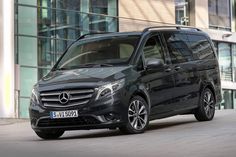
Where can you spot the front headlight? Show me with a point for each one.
(35, 96)
(110, 88)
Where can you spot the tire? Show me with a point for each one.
(206, 109)
(50, 135)
(137, 118)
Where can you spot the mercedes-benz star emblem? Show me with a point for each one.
(64, 97)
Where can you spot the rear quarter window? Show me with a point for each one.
(200, 47)
(177, 44)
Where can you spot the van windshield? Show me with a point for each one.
(99, 52)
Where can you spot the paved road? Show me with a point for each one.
(180, 136)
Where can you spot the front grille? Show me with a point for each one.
(85, 120)
(76, 97)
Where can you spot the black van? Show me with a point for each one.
(125, 80)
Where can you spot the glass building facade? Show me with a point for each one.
(227, 63)
(45, 28)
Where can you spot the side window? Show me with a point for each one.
(201, 47)
(177, 45)
(153, 49)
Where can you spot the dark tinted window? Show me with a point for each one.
(152, 48)
(200, 47)
(178, 47)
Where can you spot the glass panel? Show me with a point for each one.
(182, 12)
(234, 61)
(28, 77)
(28, 2)
(225, 61)
(27, 51)
(219, 14)
(226, 99)
(67, 24)
(212, 7)
(50, 50)
(24, 107)
(84, 19)
(43, 72)
(45, 52)
(59, 24)
(68, 4)
(47, 3)
(60, 4)
(46, 22)
(223, 12)
(27, 21)
(99, 7)
(102, 23)
(98, 22)
(112, 11)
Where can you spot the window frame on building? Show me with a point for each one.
(217, 20)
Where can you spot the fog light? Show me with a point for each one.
(110, 117)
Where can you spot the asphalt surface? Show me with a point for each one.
(180, 136)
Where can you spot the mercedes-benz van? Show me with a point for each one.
(124, 80)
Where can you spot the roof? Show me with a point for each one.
(148, 29)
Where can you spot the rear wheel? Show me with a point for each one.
(206, 109)
(137, 117)
(50, 134)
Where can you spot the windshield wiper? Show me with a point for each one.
(94, 65)
(89, 65)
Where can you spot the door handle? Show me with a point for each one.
(168, 69)
(177, 68)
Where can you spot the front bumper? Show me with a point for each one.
(110, 112)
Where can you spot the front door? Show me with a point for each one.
(158, 82)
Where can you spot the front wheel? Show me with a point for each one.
(206, 109)
(137, 116)
(50, 134)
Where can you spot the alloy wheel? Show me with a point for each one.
(137, 115)
(208, 103)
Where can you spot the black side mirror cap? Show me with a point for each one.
(154, 64)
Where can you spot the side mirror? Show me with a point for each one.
(154, 64)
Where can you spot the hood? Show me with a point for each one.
(84, 75)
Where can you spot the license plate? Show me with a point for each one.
(63, 114)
